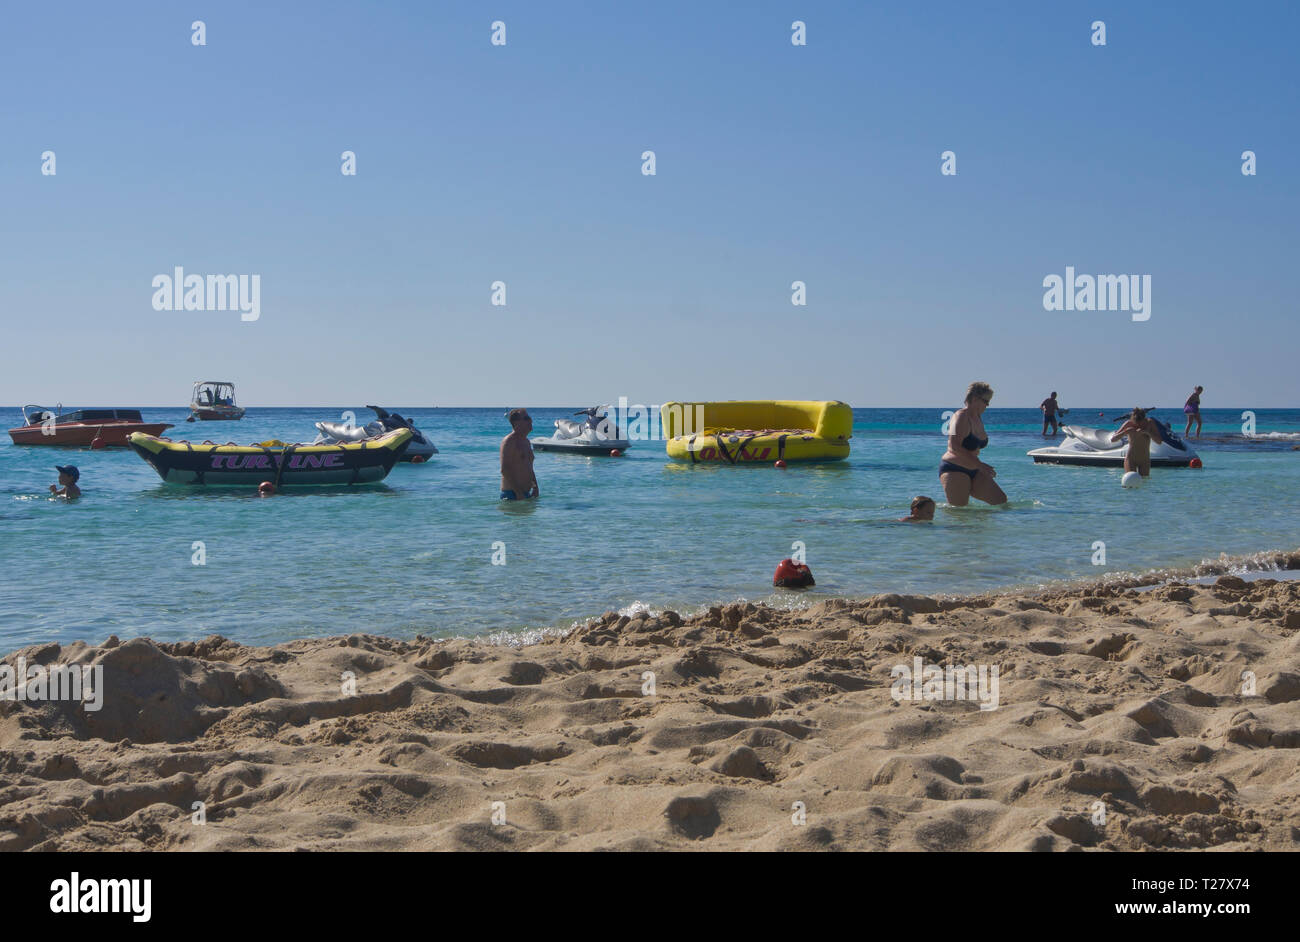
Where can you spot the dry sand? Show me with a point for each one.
(1107, 697)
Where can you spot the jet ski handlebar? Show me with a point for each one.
(1128, 415)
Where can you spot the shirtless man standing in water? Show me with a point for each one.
(1140, 431)
(517, 478)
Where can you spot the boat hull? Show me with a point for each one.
(216, 413)
(112, 434)
(580, 447)
(1105, 461)
(249, 465)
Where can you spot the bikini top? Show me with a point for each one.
(971, 443)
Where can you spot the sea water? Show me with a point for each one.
(416, 553)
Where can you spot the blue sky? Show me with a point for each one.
(775, 163)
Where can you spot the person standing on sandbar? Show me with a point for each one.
(1051, 410)
(1192, 409)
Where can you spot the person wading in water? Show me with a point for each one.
(517, 478)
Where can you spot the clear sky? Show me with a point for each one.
(522, 163)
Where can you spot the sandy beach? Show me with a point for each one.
(1122, 721)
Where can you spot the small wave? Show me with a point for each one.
(1273, 436)
(636, 608)
(1249, 565)
(526, 636)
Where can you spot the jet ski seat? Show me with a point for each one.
(1098, 438)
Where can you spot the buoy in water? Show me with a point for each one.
(792, 575)
(1194, 463)
(615, 453)
(97, 443)
(780, 462)
(418, 459)
(265, 489)
(1131, 479)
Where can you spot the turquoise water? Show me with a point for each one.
(414, 554)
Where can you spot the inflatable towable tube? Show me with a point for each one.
(763, 430)
(363, 462)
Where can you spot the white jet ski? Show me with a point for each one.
(333, 433)
(1092, 446)
(595, 436)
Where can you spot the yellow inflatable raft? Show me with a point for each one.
(757, 430)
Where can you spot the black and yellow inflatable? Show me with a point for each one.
(757, 430)
(362, 462)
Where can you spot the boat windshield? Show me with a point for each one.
(34, 415)
(214, 394)
(101, 415)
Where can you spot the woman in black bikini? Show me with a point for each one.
(961, 473)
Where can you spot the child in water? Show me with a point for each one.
(922, 511)
(68, 475)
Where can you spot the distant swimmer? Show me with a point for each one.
(68, 477)
(961, 472)
(1140, 431)
(1051, 409)
(517, 478)
(922, 510)
(1192, 409)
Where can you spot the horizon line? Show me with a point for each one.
(657, 404)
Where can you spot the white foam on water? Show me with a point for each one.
(1252, 575)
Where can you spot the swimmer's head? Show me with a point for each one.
(979, 391)
(923, 508)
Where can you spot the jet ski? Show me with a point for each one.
(1092, 446)
(596, 435)
(336, 433)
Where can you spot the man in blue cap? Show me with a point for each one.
(68, 475)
